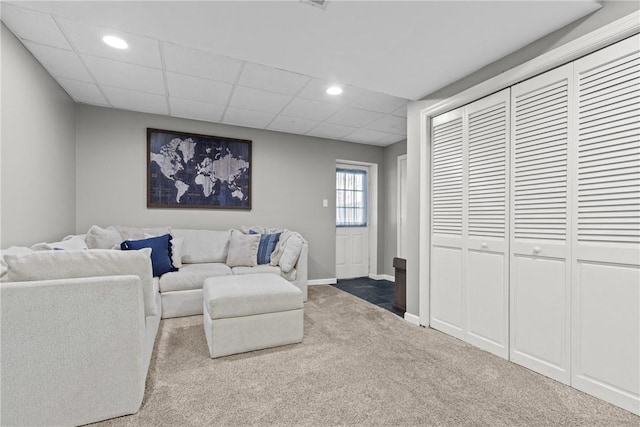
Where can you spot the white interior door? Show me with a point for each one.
(540, 206)
(352, 221)
(606, 232)
(448, 207)
(402, 207)
(487, 239)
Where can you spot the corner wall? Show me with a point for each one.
(291, 174)
(37, 151)
(390, 205)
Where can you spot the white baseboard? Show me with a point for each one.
(382, 277)
(329, 281)
(412, 318)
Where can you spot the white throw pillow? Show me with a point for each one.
(73, 243)
(51, 265)
(203, 245)
(13, 250)
(102, 238)
(243, 249)
(176, 251)
(291, 252)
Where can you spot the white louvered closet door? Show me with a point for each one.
(606, 231)
(447, 224)
(540, 247)
(487, 257)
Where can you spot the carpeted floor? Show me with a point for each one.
(358, 365)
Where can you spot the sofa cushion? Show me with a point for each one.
(102, 238)
(160, 255)
(136, 233)
(243, 249)
(288, 250)
(248, 295)
(192, 276)
(259, 269)
(203, 245)
(51, 265)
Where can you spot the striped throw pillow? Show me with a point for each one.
(268, 243)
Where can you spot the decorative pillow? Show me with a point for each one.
(51, 265)
(291, 252)
(160, 252)
(268, 243)
(243, 249)
(176, 250)
(102, 238)
(13, 250)
(72, 243)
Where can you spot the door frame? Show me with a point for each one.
(401, 158)
(372, 209)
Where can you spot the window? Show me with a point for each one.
(351, 198)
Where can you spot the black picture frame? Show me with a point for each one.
(193, 171)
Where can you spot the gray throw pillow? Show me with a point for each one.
(243, 249)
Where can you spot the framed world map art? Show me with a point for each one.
(186, 170)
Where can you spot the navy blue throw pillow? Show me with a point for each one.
(161, 249)
(268, 243)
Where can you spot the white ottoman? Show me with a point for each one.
(250, 312)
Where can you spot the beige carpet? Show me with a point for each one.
(358, 365)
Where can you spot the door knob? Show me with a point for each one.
(484, 245)
(536, 250)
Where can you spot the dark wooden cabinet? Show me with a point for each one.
(400, 288)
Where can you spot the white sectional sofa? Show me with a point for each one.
(79, 326)
(204, 255)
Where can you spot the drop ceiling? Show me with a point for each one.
(267, 64)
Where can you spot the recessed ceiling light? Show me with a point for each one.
(334, 90)
(116, 42)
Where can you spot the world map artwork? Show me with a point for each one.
(197, 171)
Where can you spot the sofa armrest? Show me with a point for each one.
(71, 350)
(302, 270)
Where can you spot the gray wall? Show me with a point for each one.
(611, 11)
(37, 151)
(291, 174)
(390, 205)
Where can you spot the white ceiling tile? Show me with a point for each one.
(200, 63)
(400, 112)
(379, 102)
(353, 117)
(310, 110)
(365, 136)
(136, 101)
(87, 39)
(317, 90)
(248, 118)
(60, 63)
(261, 77)
(87, 93)
(258, 100)
(125, 76)
(390, 124)
(292, 125)
(197, 89)
(390, 139)
(326, 130)
(196, 110)
(33, 26)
